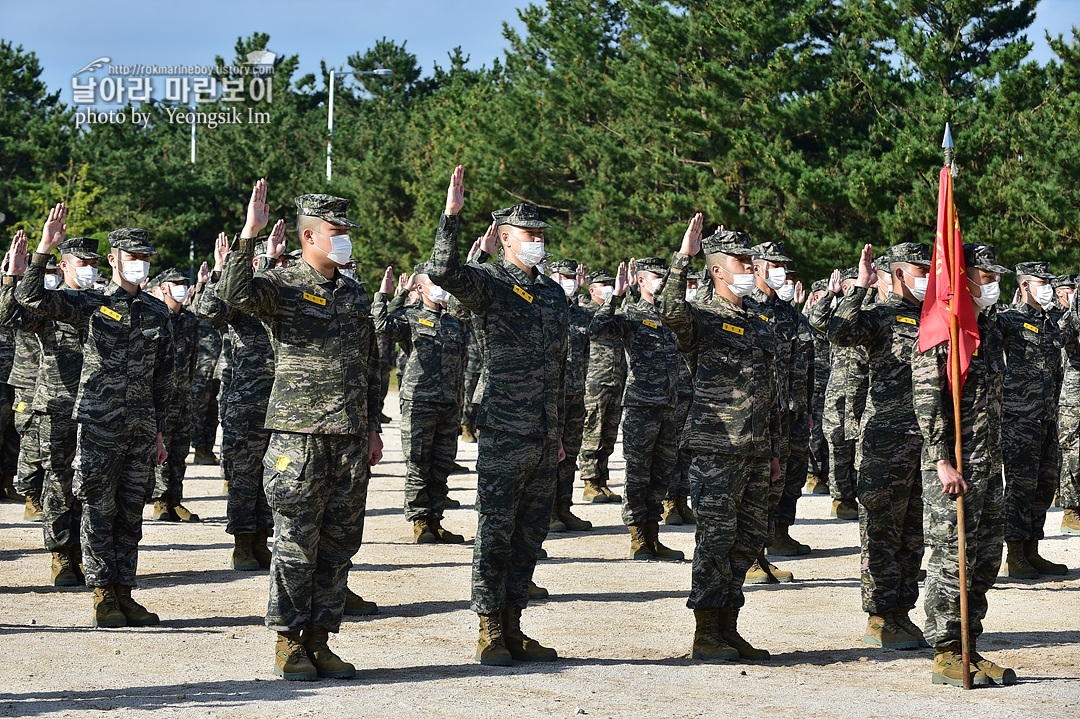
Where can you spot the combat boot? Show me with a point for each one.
(1017, 565)
(521, 647)
(594, 493)
(1070, 522)
(32, 507)
(948, 668)
(844, 509)
(456, 468)
(77, 563)
(882, 631)
(491, 646)
(996, 674)
(611, 496)
(670, 515)
(205, 455)
(444, 535)
(569, 519)
(291, 661)
(757, 574)
(782, 576)
(640, 548)
(183, 514)
(708, 645)
(63, 574)
(659, 551)
(357, 606)
(1041, 565)
(541, 553)
(729, 632)
(556, 525)
(451, 503)
(422, 532)
(900, 616)
(687, 514)
(784, 546)
(816, 485)
(326, 663)
(243, 558)
(225, 487)
(137, 615)
(262, 553)
(162, 513)
(537, 592)
(468, 433)
(107, 612)
(7, 488)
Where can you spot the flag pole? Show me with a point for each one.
(954, 360)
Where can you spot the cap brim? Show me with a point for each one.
(736, 251)
(526, 224)
(83, 254)
(994, 268)
(773, 258)
(601, 278)
(136, 250)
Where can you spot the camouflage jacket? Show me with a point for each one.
(522, 327)
(1033, 358)
(802, 374)
(210, 339)
(326, 359)
(251, 355)
(24, 369)
(184, 328)
(61, 353)
(889, 333)
(435, 371)
(607, 360)
(732, 350)
(127, 368)
(822, 366)
(784, 322)
(7, 353)
(577, 358)
(652, 351)
(980, 402)
(1069, 327)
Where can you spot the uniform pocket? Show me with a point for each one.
(283, 466)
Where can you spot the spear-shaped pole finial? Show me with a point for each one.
(947, 148)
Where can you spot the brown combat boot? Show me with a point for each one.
(243, 558)
(708, 645)
(107, 612)
(7, 488)
(357, 606)
(594, 493)
(326, 663)
(996, 674)
(468, 433)
(948, 668)
(422, 532)
(491, 646)
(729, 632)
(536, 592)
(444, 535)
(1070, 522)
(521, 647)
(63, 573)
(291, 662)
(816, 484)
(182, 513)
(652, 532)
(882, 631)
(451, 503)
(640, 548)
(670, 515)
(555, 525)
(1041, 565)
(611, 496)
(1017, 565)
(32, 507)
(784, 546)
(137, 615)
(844, 509)
(205, 455)
(687, 514)
(569, 519)
(262, 553)
(900, 616)
(162, 513)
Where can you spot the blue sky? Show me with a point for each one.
(67, 34)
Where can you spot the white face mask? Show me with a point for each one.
(741, 285)
(85, 276)
(606, 292)
(530, 253)
(52, 282)
(1044, 295)
(786, 293)
(990, 293)
(777, 278)
(654, 285)
(691, 294)
(178, 293)
(135, 271)
(340, 248)
(569, 287)
(919, 288)
(835, 302)
(438, 294)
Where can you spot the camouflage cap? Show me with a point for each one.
(325, 207)
(983, 257)
(882, 263)
(819, 286)
(131, 239)
(296, 254)
(51, 263)
(849, 274)
(170, 275)
(85, 248)
(525, 215)
(420, 268)
(599, 275)
(1064, 281)
(563, 267)
(914, 253)
(730, 242)
(260, 247)
(698, 275)
(651, 264)
(770, 252)
(1035, 269)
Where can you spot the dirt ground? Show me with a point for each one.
(621, 627)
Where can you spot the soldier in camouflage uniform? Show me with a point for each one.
(1064, 289)
(980, 430)
(1029, 430)
(30, 471)
(888, 479)
(676, 509)
(9, 437)
(650, 437)
(1069, 417)
(430, 391)
(121, 408)
(604, 384)
(521, 320)
(733, 433)
(204, 393)
(818, 480)
(323, 412)
(472, 377)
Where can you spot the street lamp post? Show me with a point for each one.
(381, 72)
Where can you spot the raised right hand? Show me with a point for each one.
(52, 234)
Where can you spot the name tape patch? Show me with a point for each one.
(20, 407)
(282, 463)
(650, 323)
(1031, 327)
(426, 323)
(762, 317)
(523, 294)
(315, 298)
(110, 313)
(733, 328)
(906, 320)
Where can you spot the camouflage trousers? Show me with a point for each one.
(429, 433)
(889, 489)
(9, 436)
(1069, 446)
(729, 494)
(317, 485)
(1032, 458)
(650, 446)
(680, 483)
(61, 512)
(386, 363)
(169, 477)
(112, 469)
(798, 463)
(204, 410)
(243, 446)
(30, 472)
(819, 448)
(776, 489)
(603, 411)
(573, 429)
(516, 478)
(842, 470)
(983, 512)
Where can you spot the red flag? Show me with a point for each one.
(948, 299)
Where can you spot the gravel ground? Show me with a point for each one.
(621, 627)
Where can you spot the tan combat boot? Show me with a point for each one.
(422, 532)
(571, 521)
(291, 661)
(708, 645)
(262, 553)
(670, 515)
(327, 664)
(882, 631)
(32, 507)
(729, 632)
(900, 616)
(555, 525)
(594, 493)
(521, 647)
(996, 674)
(756, 574)
(816, 484)
(784, 546)
(137, 615)
(162, 513)
(1017, 565)
(652, 532)
(63, 573)
(357, 606)
(845, 509)
(107, 612)
(243, 558)
(468, 433)
(537, 592)
(444, 535)
(948, 668)
(491, 646)
(687, 514)
(182, 513)
(205, 455)
(7, 488)
(611, 496)
(1041, 565)
(640, 548)
(1070, 522)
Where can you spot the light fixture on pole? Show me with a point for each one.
(380, 72)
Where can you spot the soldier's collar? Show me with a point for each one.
(521, 277)
(1029, 310)
(308, 272)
